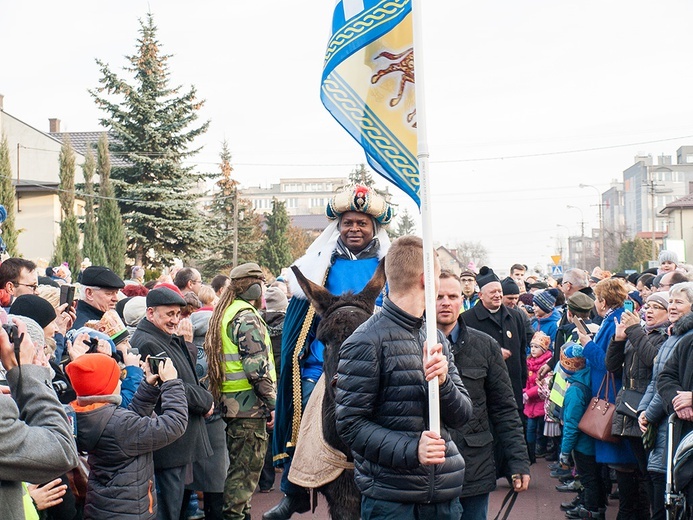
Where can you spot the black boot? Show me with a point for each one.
(531, 451)
(288, 505)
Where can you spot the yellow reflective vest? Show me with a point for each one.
(235, 379)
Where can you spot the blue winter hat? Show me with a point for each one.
(635, 296)
(572, 358)
(545, 300)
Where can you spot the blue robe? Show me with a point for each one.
(344, 275)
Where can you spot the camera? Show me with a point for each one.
(155, 360)
(93, 345)
(529, 309)
(11, 330)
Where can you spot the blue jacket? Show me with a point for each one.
(595, 353)
(575, 403)
(548, 325)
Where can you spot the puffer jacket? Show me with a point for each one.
(634, 358)
(534, 406)
(677, 376)
(485, 376)
(382, 409)
(655, 410)
(120, 444)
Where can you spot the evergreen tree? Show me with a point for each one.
(92, 248)
(276, 252)
(220, 223)
(8, 199)
(405, 226)
(109, 222)
(68, 242)
(152, 136)
(634, 254)
(360, 175)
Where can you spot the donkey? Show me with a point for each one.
(340, 316)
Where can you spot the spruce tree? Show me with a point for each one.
(92, 248)
(220, 223)
(405, 225)
(276, 252)
(151, 125)
(8, 199)
(109, 221)
(68, 242)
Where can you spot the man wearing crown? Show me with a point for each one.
(343, 258)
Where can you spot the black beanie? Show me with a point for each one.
(34, 307)
(485, 276)
(510, 286)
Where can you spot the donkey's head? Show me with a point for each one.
(325, 303)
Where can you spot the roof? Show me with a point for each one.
(681, 203)
(310, 222)
(25, 186)
(80, 141)
(658, 235)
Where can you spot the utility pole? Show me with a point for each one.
(651, 185)
(582, 237)
(235, 224)
(601, 224)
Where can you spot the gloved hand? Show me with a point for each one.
(649, 437)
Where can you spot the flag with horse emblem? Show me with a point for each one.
(368, 85)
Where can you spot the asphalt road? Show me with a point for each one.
(540, 501)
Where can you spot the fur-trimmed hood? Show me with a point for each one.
(685, 324)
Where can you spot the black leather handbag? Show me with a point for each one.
(630, 400)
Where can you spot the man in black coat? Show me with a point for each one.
(156, 335)
(99, 294)
(480, 364)
(504, 325)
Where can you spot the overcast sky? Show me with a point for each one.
(601, 80)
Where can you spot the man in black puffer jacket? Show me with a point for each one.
(485, 376)
(402, 469)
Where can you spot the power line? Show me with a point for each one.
(441, 161)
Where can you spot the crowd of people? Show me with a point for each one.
(178, 399)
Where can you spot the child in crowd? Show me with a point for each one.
(120, 441)
(534, 403)
(577, 398)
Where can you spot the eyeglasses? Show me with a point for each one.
(34, 287)
(654, 307)
(665, 285)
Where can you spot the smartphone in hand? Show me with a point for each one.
(628, 305)
(67, 295)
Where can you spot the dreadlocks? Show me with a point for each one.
(213, 347)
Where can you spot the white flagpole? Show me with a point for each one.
(426, 217)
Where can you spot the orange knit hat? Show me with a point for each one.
(93, 374)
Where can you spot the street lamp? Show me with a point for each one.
(601, 224)
(582, 235)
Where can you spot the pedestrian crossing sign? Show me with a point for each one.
(557, 270)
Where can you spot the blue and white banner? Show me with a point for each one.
(368, 85)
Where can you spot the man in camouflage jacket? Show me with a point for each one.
(248, 389)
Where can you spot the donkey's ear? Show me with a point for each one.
(320, 297)
(375, 285)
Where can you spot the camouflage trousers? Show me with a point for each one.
(246, 441)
